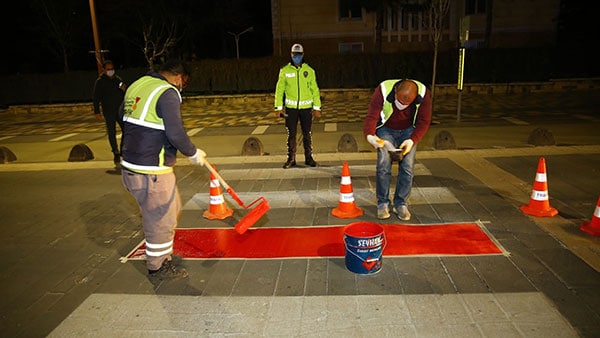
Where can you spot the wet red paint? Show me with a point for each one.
(328, 241)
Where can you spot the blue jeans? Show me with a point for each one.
(384, 168)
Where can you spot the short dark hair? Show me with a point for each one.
(106, 62)
(176, 67)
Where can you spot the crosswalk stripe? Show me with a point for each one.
(318, 172)
(60, 138)
(585, 117)
(515, 121)
(259, 130)
(194, 131)
(317, 198)
(323, 198)
(330, 127)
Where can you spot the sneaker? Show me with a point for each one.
(383, 212)
(289, 164)
(403, 213)
(168, 270)
(310, 162)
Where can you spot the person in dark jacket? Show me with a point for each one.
(109, 90)
(152, 136)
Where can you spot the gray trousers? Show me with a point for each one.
(160, 204)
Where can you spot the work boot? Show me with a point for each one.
(383, 212)
(289, 163)
(168, 270)
(310, 162)
(403, 213)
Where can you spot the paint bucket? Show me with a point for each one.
(364, 242)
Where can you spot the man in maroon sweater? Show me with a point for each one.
(399, 116)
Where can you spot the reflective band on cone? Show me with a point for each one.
(217, 208)
(539, 204)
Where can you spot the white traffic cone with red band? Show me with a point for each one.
(346, 207)
(539, 205)
(217, 208)
(593, 227)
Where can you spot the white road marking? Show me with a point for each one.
(63, 137)
(194, 131)
(330, 127)
(259, 130)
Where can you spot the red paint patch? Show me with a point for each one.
(328, 241)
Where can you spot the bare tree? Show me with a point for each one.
(58, 21)
(158, 40)
(437, 15)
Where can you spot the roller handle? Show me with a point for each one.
(230, 191)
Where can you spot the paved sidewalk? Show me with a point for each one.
(69, 225)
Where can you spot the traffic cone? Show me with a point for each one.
(346, 207)
(217, 208)
(593, 227)
(538, 203)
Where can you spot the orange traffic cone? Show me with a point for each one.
(217, 208)
(538, 203)
(346, 207)
(593, 227)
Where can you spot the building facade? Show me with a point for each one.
(347, 26)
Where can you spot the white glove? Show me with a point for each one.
(375, 141)
(198, 157)
(407, 146)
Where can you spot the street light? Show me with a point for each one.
(237, 39)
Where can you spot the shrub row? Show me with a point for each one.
(232, 76)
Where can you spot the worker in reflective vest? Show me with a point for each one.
(399, 115)
(153, 133)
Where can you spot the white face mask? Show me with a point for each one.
(400, 105)
(110, 73)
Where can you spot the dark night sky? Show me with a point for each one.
(29, 30)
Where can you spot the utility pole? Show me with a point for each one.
(97, 51)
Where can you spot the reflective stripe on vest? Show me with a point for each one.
(387, 108)
(137, 94)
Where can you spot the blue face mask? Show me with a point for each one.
(297, 59)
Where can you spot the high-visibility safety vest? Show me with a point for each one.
(387, 87)
(140, 109)
(299, 85)
(140, 102)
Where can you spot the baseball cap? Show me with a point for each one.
(297, 48)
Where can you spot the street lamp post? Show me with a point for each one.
(237, 39)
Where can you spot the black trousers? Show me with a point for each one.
(111, 120)
(291, 125)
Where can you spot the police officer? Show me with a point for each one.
(298, 92)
